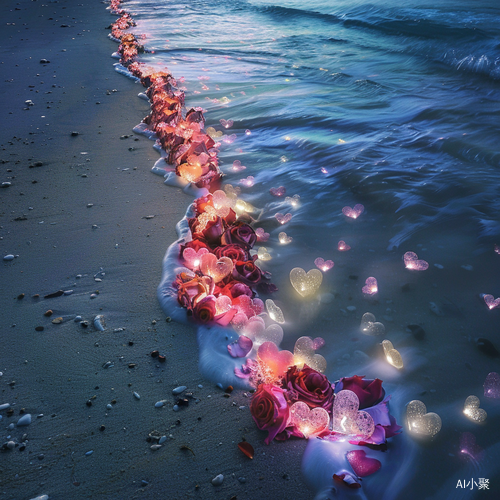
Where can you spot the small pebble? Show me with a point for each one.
(351, 309)
(109, 406)
(175, 408)
(155, 447)
(159, 404)
(10, 445)
(57, 321)
(4, 406)
(217, 480)
(49, 312)
(88, 453)
(77, 319)
(136, 395)
(41, 497)
(68, 292)
(9, 257)
(242, 480)
(162, 439)
(144, 483)
(24, 420)
(179, 389)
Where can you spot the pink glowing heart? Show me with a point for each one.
(468, 447)
(307, 421)
(343, 246)
(497, 249)
(218, 269)
(237, 166)
(492, 385)
(250, 307)
(324, 265)
(411, 262)
(275, 360)
(273, 333)
(491, 302)
(222, 304)
(241, 347)
(371, 286)
(318, 343)
(229, 139)
(248, 132)
(353, 212)
(361, 464)
(324, 170)
(192, 258)
(261, 234)
(226, 123)
(279, 191)
(248, 182)
(254, 327)
(283, 219)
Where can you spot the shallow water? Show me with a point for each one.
(394, 108)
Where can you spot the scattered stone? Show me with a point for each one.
(41, 497)
(155, 354)
(99, 323)
(4, 406)
(48, 313)
(176, 408)
(179, 390)
(136, 395)
(58, 321)
(217, 480)
(9, 257)
(168, 319)
(242, 480)
(44, 61)
(39, 328)
(74, 133)
(102, 427)
(108, 364)
(162, 439)
(155, 447)
(24, 420)
(10, 445)
(88, 453)
(159, 404)
(20, 296)
(162, 358)
(54, 295)
(68, 292)
(89, 403)
(84, 324)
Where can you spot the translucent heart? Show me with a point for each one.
(228, 139)
(361, 464)
(275, 361)
(218, 269)
(275, 313)
(237, 166)
(279, 191)
(192, 258)
(304, 354)
(306, 284)
(369, 325)
(273, 333)
(293, 200)
(345, 412)
(284, 239)
(283, 219)
(492, 385)
(243, 206)
(469, 448)
(371, 286)
(214, 134)
(221, 200)
(231, 191)
(472, 410)
(261, 234)
(223, 304)
(411, 262)
(343, 246)
(420, 422)
(226, 123)
(365, 424)
(324, 265)
(307, 421)
(263, 254)
(248, 182)
(392, 355)
(490, 301)
(353, 212)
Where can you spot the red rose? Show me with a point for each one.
(234, 289)
(204, 311)
(195, 244)
(309, 386)
(369, 392)
(234, 252)
(190, 290)
(241, 234)
(246, 272)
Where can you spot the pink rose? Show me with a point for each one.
(369, 392)
(204, 310)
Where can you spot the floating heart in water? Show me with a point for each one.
(371, 286)
(248, 132)
(307, 421)
(497, 249)
(491, 302)
(279, 191)
(221, 200)
(369, 325)
(346, 418)
(343, 246)
(283, 219)
(248, 182)
(218, 269)
(392, 355)
(250, 307)
(324, 265)
(411, 262)
(275, 360)
(353, 212)
(226, 123)
(237, 166)
(308, 283)
(284, 239)
(472, 410)
(228, 139)
(273, 333)
(241, 347)
(469, 448)
(261, 234)
(214, 134)
(303, 354)
(361, 464)
(192, 258)
(223, 304)
(293, 200)
(263, 254)
(232, 191)
(190, 172)
(275, 313)
(420, 422)
(492, 385)
(318, 343)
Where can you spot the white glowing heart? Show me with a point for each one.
(263, 254)
(284, 239)
(304, 354)
(308, 283)
(392, 355)
(275, 313)
(369, 325)
(420, 422)
(218, 269)
(309, 421)
(346, 418)
(472, 410)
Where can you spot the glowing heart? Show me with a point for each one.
(343, 246)
(324, 265)
(346, 418)
(284, 239)
(283, 219)
(229, 139)
(306, 284)
(369, 325)
(237, 166)
(214, 134)
(218, 269)
(491, 302)
(411, 262)
(420, 422)
(232, 191)
(276, 361)
(303, 354)
(392, 355)
(279, 191)
(192, 258)
(226, 123)
(371, 286)
(472, 410)
(250, 307)
(248, 132)
(221, 200)
(293, 200)
(190, 172)
(492, 385)
(318, 343)
(261, 234)
(241, 347)
(223, 304)
(273, 333)
(353, 212)
(275, 313)
(248, 182)
(469, 448)
(307, 421)
(263, 254)
(361, 464)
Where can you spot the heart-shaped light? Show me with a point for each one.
(190, 172)
(293, 200)
(214, 134)
(275, 313)
(318, 343)
(192, 258)
(241, 347)
(392, 355)
(469, 448)
(284, 239)
(370, 326)
(472, 410)
(223, 304)
(412, 262)
(353, 212)
(371, 286)
(303, 354)
(361, 464)
(492, 385)
(307, 421)
(232, 191)
(273, 333)
(263, 254)
(279, 191)
(346, 418)
(237, 166)
(261, 234)
(283, 219)
(420, 422)
(243, 206)
(248, 182)
(221, 200)
(490, 301)
(343, 246)
(308, 283)
(229, 139)
(496, 248)
(218, 269)
(324, 265)
(275, 361)
(250, 307)
(226, 123)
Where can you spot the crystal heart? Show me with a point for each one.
(229, 139)
(232, 191)
(214, 134)
(371, 286)
(293, 200)
(261, 234)
(303, 354)
(275, 313)
(284, 239)
(223, 304)
(241, 347)
(279, 191)
(273, 333)
(369, 325)
(192, 258)
(492, 385)
(263, 254)
(469, 448)
(221, 200)
(307, 421)
(411, 262)
(353, 212)
(248, 182)
(318, 343)
(237, 166)
(472, 410)
(420, 422)
(283, 219)
(490, 301)
(308, 283)
(226, 123)
(324, 265)
(218, 269)
(189, 172)
(392, 355)
(343, 246)
(361, 464)
(250, 307)
(346, 419)
(276, 361)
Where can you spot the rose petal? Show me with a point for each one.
(241, 347)
(246, 448)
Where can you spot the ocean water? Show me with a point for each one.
(392, 105)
